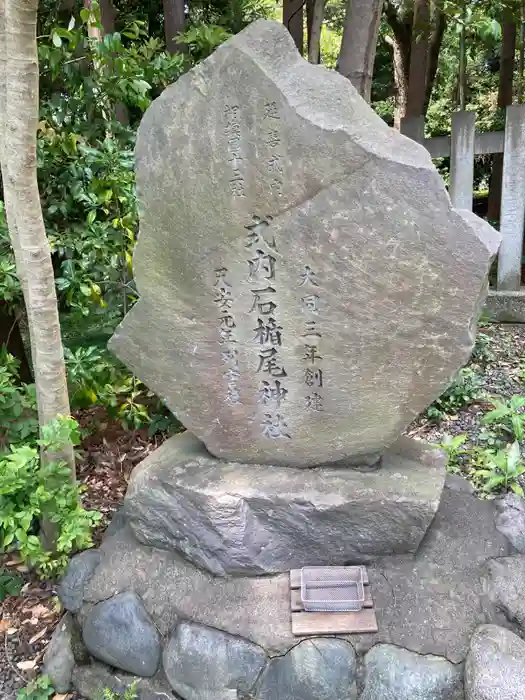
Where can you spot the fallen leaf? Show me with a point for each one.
(11, 631)
(38, 611)
(38, 635)
(61, 696)
(26, 665)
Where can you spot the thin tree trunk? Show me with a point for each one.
(417, 82)
(293, 20)
(462, 73)
(19, 70)
(436, 40)
(314, 36)
(358, 46)
(399, 61)
(174, 23)
(505, 90)
(522, 53)
(96, 32)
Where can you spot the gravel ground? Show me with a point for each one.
(28, 620)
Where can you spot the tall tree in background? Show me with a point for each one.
(314, 12)
(358, 46)
(18, 130)
(417, 35)
(293, 20)
(505, 92)
(174, 23)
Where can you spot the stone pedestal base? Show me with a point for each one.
(149, 615)
(236, 519)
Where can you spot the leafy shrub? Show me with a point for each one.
(35, 485)
(466, 388)
(507, 416)
(10, 584)
(130, 693)
(18, 414)
(502, 471)
(38, 689)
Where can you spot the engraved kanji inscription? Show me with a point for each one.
(274, 426)
(313, 377)
(308, 277)
(223, 297)
(268, 363)
(262, 265)
(314, 402)
(311, 353)
(233, 132)
(268, 331)
(258, 234)
(272, 393)
(264, 305)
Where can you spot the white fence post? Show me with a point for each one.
(512, 200)
(462, 159)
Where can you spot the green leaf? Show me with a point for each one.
(57, 41)
(71, 24)
(517, 489)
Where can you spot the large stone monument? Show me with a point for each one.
(306, 289)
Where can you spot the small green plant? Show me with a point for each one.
(464, 390)
(130, 693)
(507, 416)
(482, 352)
(18, 414)
(452, 446)
(502, 471)
(34, 485)
(38, 689)
(10, 584)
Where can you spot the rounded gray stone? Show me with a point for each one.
(80, 569)
(65, 648)
(495, 665)
(394, 673)
(315, 669)
(506, 587)
(202, 663)
(510, 520)
(120, 632)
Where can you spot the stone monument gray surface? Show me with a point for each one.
(306, 288)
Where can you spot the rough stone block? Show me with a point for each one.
(393, 673)
(315, 669)
(306, 288)
(120, 632)
(202, 663)
(258, 519)
(495, 665)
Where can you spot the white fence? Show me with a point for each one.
(461, 146)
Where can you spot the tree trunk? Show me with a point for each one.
(506, 74)
(95, 32)
(416, 43)
(522, 53)
(400, 62)
(24, 212)
(293, 20)
(418, 68)
(174, 23)
(436, 40)
(358, 46)
(314, 35)
(108, 14)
